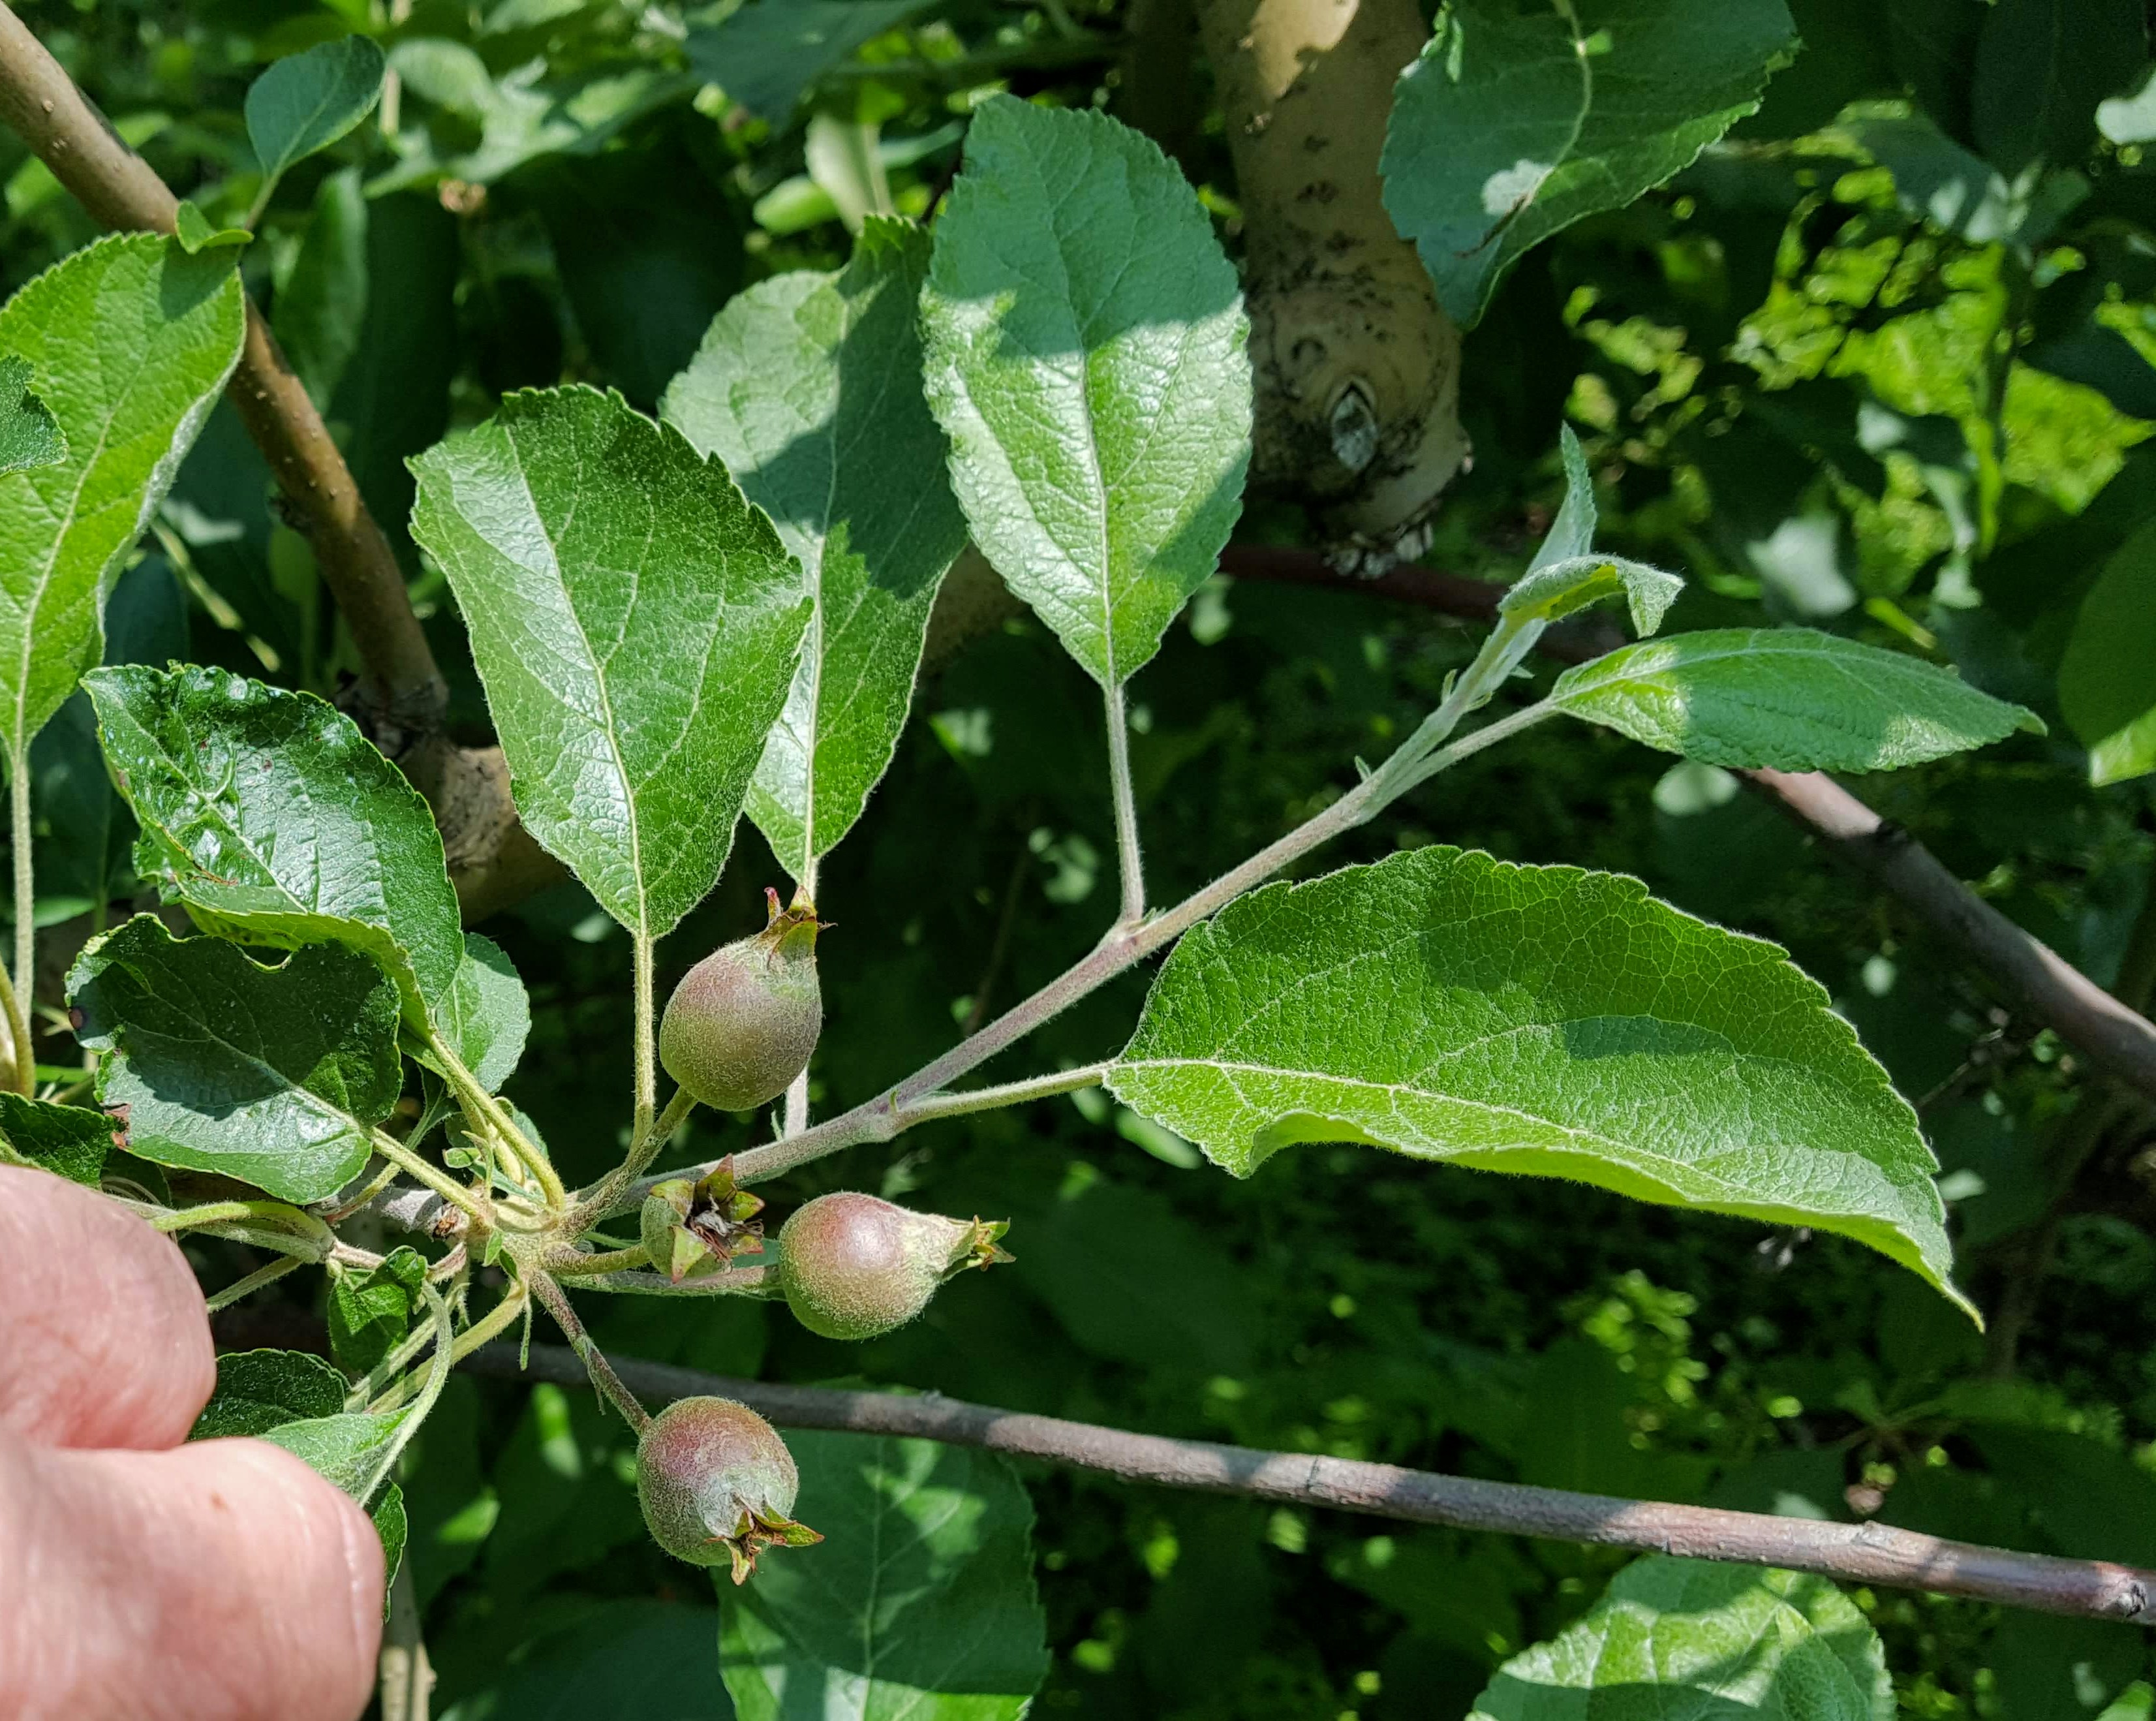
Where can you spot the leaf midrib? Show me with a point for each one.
(628, 793)
(1635, 1153)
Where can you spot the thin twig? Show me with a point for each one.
(1007, 1093)
(255, 1281)
(2118, 1040)
(1422, 755)
(1860, 1554)
(594, 1204)
(593, 1360)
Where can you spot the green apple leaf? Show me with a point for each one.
(370, 1310)
(1567, 575)
(271, 1076)
(1676, 1637)
(1556, 589)
(347, 1450)
(1086, 352)
(918, 1603)
(258, 1390)
(129, 342)
(70, 1140)
(306, 101)
(1518, 120)
(276, 822)
(2108, 677)
(195, 233)
(1539, 1019)
(1791, 698)
(29, 435)
(486, 1016)
(636, 625)
(767, 54)
(808, 389)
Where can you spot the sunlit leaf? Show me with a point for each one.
(808, 389)
(1516, 121)
(1086, 352)
(306, 101)
(636, 625)
(1687, 1638)
(276, 822)
(1538, 1020)
(919, 1602)
(129, 343)
(1791, 698)
(274, 1076)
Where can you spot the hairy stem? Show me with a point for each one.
(1129, 861)
(255, 1281)
(1858, 1554)
(488, 1326)
(476, 1203)
(475, 1098)
(728, 1281)
(23, 996)
(570, 1264)
(22, 1070)
(300, 1226)
(437, 1377)
(647, 1055)
(1007, 1093)
(601, 1372)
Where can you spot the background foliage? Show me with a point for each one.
(1879, 362)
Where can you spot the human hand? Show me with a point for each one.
(142, 1580)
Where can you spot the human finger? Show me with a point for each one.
(219, 1581)
(107, 1342)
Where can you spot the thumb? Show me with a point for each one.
(220, 1582)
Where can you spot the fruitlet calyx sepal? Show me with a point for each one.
(718, 1485)
(742, 1023)
(693, 1229)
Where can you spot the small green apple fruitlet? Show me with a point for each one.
(716, 1484)
(853, 1265)
(742, 1023)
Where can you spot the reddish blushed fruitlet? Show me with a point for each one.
(716, 1485)
(854, 1266)
(742, 1023)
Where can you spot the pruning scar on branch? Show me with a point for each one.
(1857, 1554)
